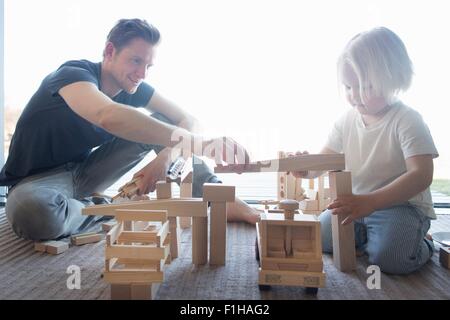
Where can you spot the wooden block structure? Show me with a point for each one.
(52, 247)
(197, 209)
(344, 254)
(313, 200)
(218, 195)
(135, 260)
(444, 257)
(290, 248)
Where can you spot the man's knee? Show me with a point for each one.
(36, 217)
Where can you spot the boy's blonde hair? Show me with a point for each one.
(380, 60)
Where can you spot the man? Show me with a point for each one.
(81, 131)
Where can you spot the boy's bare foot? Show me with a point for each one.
(240, 211)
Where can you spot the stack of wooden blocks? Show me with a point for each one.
(135, 259)
(313, 200)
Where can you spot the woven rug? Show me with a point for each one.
(26, 274)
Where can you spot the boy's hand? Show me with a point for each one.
(298, 174)
(352, 206)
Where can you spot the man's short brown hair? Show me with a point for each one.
(126, 30)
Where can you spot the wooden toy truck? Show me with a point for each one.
(289, 248)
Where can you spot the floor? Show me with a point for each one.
(26, 274)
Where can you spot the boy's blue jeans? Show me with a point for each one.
(48, 205)
(393, 238)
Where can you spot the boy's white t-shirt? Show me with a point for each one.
(376, 154)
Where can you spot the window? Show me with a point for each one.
(267, 67)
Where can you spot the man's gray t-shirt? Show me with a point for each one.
(50, 134)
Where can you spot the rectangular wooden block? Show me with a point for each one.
(163, 190)
(107, 226)
(444, 256)
(218, 233)
(344, 252)
(199, 240)
(57, 247)
(292, 278)
(41, 246)
(120, 291)
(144, 291)
(85, 239)
(216, 192)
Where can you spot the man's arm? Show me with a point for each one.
(180, 117)
(121, 120)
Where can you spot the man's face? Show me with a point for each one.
(130, 65)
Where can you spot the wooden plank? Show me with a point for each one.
(91, 238)
(344, 254)
(144, 291)
(136, 252)
(175, 237)
(291, 264)
(113, 234)
(127, 277)
(199, 240)
(120, 291)
(56, 247)
(307, 162)
(141, 215)
(162, 234)
(137, 237)
(292, 278)
(218, 192)
(186, 192)
(444, 257)
(174, 207)
(218, 233)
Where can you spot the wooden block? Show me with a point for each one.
(113, 234)
(344, 253)
(218, 233)
(316, 162)
(144, 291)
(292, 264)
(175, 237)
(199, 240)
(217, 192)
(107, 226)
(144, 252)
(309, 205)
(57, 247)
(290, 186)
(141, 215)
(163, 190)
(174, 207)
(133, 276)
(185, 192)
(444, 256)
(41, 246)
(292, 278)
(120, 291)
(186, 177)
(84, 239)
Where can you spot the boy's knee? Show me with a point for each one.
(392, 262)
